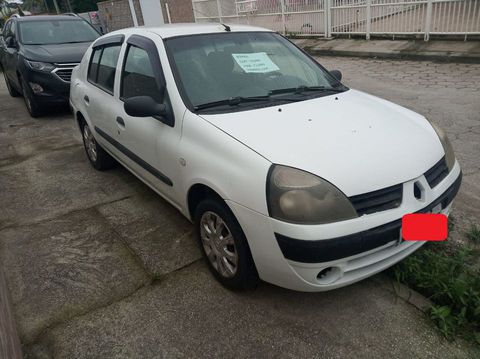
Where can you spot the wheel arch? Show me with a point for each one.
(196, 193)
(79, 118)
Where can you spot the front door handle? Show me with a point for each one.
(120, 121)
(86, 99)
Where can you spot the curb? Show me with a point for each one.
(411, 296)
(418, 56)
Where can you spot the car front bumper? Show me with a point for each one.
(55, 90)
(324, 257)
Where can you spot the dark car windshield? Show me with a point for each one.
(213, 68)
(49, 32)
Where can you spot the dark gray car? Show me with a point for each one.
(38, 54)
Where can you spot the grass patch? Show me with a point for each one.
(473, 233)
(451, 284)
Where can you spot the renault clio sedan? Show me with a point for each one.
(289, 176)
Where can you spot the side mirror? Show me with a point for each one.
(143, 106)
(337, 74)
(10, 42)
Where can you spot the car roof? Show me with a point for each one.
(48, 18)
(172, 30)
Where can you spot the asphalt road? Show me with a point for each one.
(99, 266)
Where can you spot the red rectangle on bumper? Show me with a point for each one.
(424, 227)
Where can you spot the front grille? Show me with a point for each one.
(381, 200)
(437, 173)
(64, 74)
(64, 71)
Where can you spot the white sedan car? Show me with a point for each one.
(289, 176)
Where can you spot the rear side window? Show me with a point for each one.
(138, 78)
(103, 63)
(93, 69)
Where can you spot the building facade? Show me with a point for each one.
(116, 14)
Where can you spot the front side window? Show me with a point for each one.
(103, 64)
(48, 32)
(213, 68)
(138, 78)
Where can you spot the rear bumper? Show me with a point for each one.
(292, 256)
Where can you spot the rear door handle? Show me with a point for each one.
(86, 99)
(120, 121)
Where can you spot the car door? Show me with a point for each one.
(98, 94)
(3, 45)
(10, 54)
(149, 144)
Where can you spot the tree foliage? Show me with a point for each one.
(84, 5)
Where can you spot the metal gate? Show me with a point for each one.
(290, 17)
(335, 17)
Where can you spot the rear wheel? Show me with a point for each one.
(33, 107)
(97, 156)
(11, 90)
(224, 245)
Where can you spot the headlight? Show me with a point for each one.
(447, 146)
(297, 196)
(40, 66)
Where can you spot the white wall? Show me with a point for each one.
(152, 12)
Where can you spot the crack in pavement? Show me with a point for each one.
(153, 281)
(45, 220)
(39, 153)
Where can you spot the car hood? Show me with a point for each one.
(59, 53)
(356, 141)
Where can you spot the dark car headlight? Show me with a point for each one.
(40, 66)
(447, 146)
(297, 196)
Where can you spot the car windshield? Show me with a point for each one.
(49, 32)
(229, 68)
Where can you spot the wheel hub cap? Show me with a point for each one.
(217, 240)
(90, 143)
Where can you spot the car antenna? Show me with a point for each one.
(227, 28)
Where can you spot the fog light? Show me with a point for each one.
(36, 88)
(329, 275)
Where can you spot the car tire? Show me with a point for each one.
(10, 88)
(97, 156)
(224, 245)
(33, 108)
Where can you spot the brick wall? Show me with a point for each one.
(180, 10)
(115, 14)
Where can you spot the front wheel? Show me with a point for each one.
(224, 245)
(33, 107)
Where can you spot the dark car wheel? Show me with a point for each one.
(10, 88)
(224, 245)
(97, 156)
(33, 107)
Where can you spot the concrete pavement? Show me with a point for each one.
(99, 266)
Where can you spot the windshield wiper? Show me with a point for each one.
(235, 101)
(232, 101)
(302, 89)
